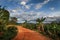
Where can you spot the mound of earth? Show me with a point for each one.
(26, 34)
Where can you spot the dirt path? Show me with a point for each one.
(26, 34)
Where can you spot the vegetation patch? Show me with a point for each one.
(6, 33)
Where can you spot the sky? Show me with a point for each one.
(31, 9)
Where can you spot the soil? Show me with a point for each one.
(27, 34)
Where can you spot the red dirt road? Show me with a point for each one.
(26, 34)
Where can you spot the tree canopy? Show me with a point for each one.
(4, 15)
(6, 33)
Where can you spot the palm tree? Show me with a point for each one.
(40, 24)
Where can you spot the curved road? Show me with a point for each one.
(26, 34)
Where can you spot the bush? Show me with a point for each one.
(30, 26)
(52, 30)
(6, 33)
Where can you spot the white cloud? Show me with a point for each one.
(56, 13)
(52, 8)
(14, 11)
(27, 6)
(23, 3)
(39, 5)
(31, 15)
(46, 1)
(20, 20)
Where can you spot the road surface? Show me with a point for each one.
(27, 34)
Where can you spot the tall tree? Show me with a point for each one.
(40, 24)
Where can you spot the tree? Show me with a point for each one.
(25, 24)
(6, 33)
(4, 16)
(40, 24)
(40, 20)
(13, 20)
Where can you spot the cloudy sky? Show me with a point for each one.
(31, 9)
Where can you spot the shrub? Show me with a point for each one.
(52, 30)
(6, 33)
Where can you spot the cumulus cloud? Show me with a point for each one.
(54, 14)
(30, 15)
(39, 5)
(16, 12)
(23, 3)
(22, 15)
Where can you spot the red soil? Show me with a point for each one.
(26, 34)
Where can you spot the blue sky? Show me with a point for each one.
(32, 9)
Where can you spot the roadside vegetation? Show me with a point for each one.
(51, 30)
(6, 33)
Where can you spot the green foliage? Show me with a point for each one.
(13, 21)
(9, 33)
(2, 28)
(6, 33)
(52, 30)
(40, 25)
(33, 26)
(40, 20)
(30, 26)
(4, 16)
